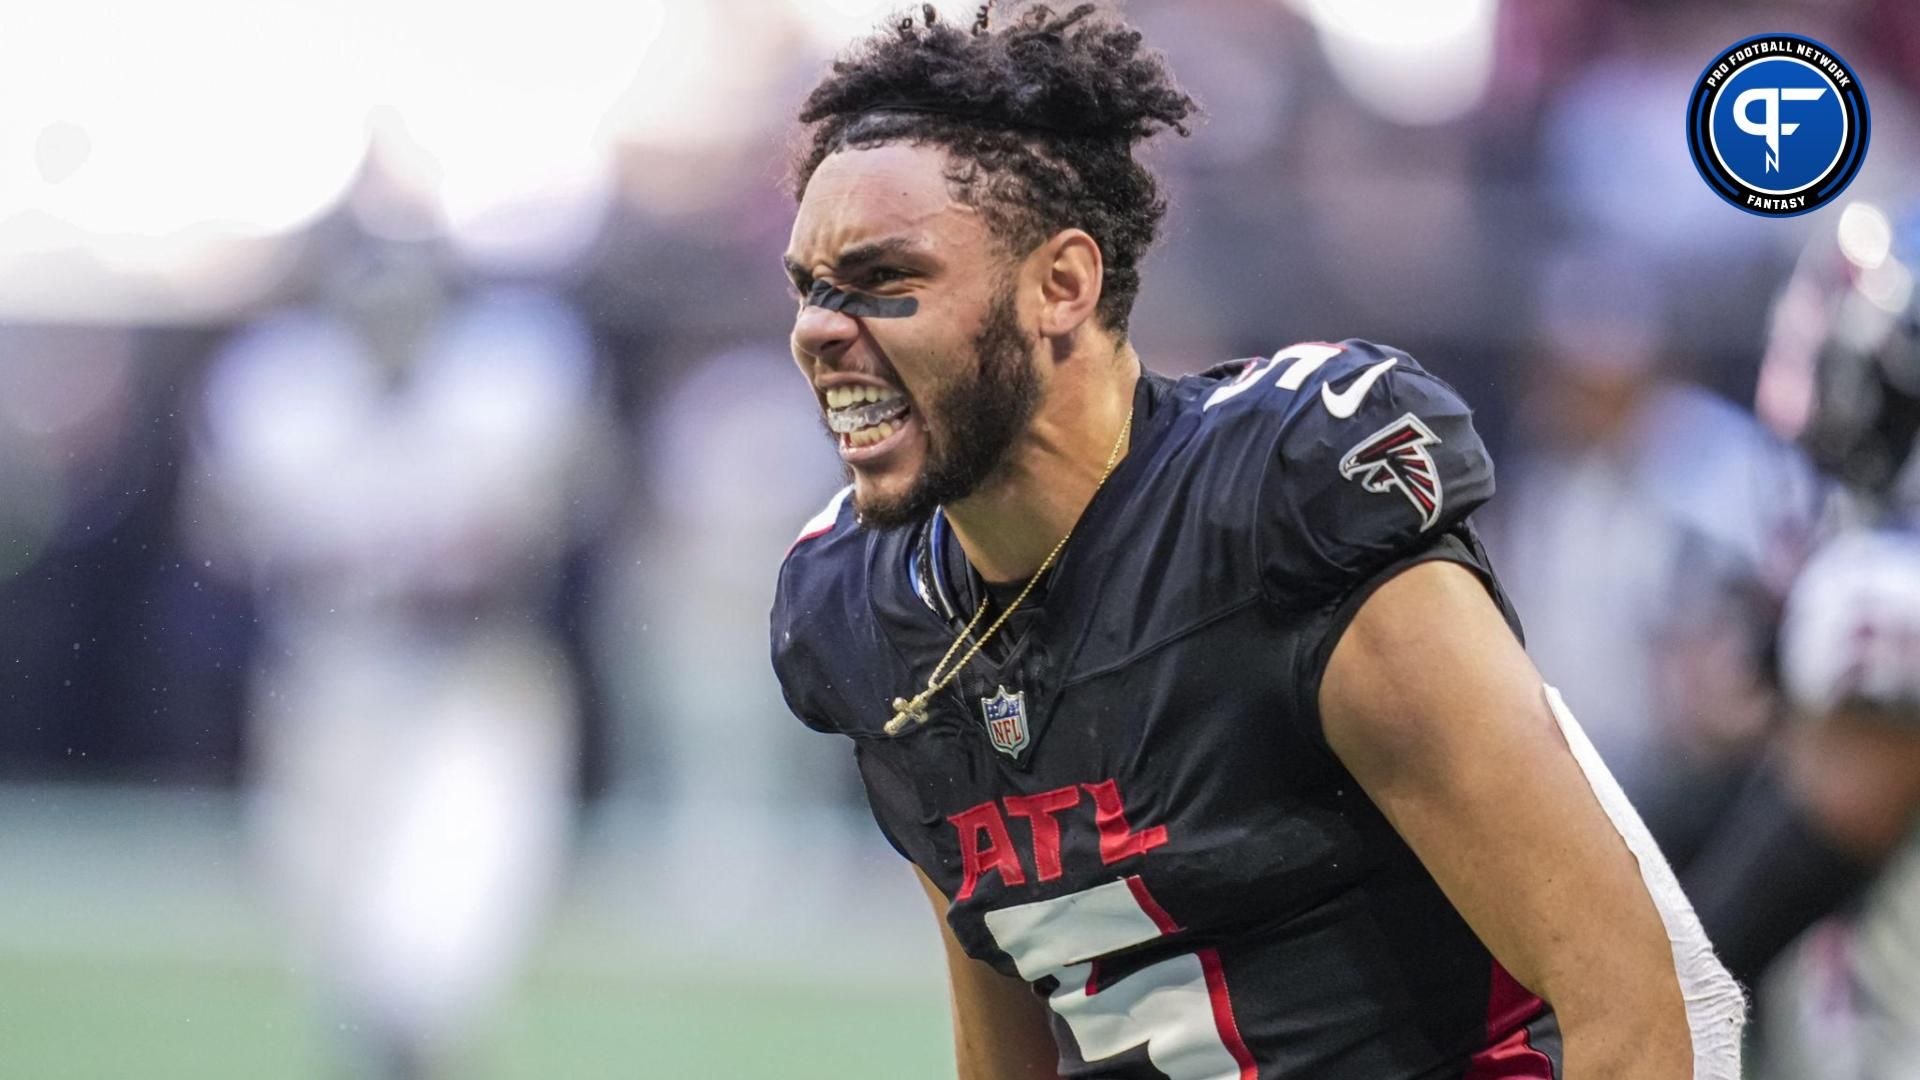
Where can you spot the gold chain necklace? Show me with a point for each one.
(905, 712)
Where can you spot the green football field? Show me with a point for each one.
(131, 948)
(114, 1020)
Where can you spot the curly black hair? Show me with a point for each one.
(1038, 118)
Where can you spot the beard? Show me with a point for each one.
(972, 423)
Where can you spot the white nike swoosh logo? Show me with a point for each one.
(1347, 402)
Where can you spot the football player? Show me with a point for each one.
(1195, 702)
(412, 733)
(1829, 826)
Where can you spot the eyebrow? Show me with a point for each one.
(858, 257)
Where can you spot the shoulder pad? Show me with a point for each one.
(1365, 458)
(823, 522)
(818, 587)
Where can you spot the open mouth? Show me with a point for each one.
(865, 416)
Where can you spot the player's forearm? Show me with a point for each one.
(1618, 993)
(1619, 1002)
(976, 1061)
(1628, 1044)
(999, 1039)
(999, 1030)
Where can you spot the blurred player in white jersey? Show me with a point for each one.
(1845, 1003)
(1828, 834)
(398, 475)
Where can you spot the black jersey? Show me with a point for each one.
(1131, 805)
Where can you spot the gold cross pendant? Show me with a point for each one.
(906, 712)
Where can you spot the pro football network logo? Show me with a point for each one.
(1006, 715)
(1778, 125)
(1396, 458)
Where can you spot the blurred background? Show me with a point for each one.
(398, 444)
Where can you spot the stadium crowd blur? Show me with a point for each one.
(465, 467)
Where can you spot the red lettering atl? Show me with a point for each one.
(986, 845)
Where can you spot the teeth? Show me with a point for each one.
(856, 417)
(869, 435)
(841, 397)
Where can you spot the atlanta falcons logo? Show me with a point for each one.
(1396, 457)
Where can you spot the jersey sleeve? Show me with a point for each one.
(1372, 459)
(1318, 628)
(886, 790)
(811, 598)
(1373, 466)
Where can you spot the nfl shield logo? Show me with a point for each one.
(1006, 721)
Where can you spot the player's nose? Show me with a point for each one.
(822, 333)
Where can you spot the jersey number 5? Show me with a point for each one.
(1295, 363)
(1178, 1007)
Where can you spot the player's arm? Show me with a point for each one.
(999, 1026)
(1435, 708)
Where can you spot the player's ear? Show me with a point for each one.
(1070, 269)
